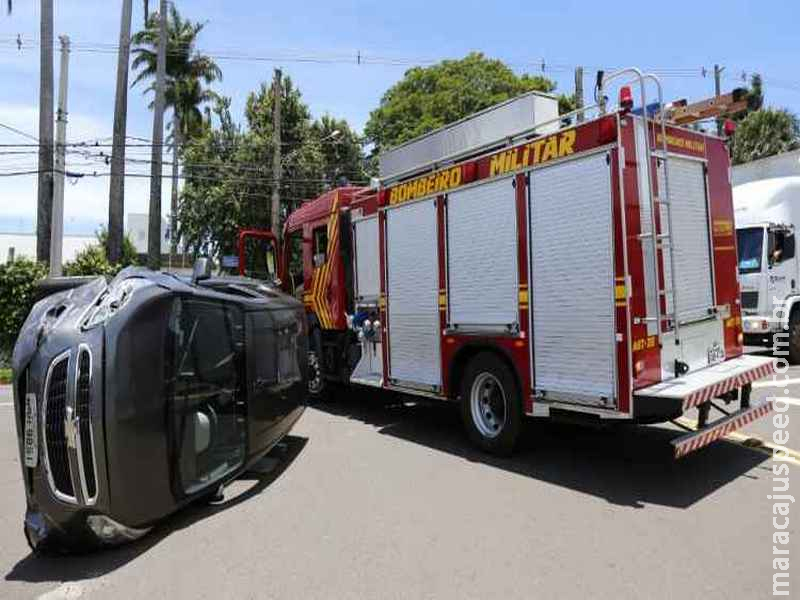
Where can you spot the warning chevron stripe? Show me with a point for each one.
(321, 282)
(694, 441)
(713, 391)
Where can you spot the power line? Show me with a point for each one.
(184, 176)
(361, 57)
(19, 132)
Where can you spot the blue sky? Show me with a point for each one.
(675, 38)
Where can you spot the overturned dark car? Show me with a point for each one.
(136, 397)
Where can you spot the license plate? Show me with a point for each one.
(31, 432)
(716, 354)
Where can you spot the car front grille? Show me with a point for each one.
(750, 300)
(67, 419)
(54, 416)
(83, 408)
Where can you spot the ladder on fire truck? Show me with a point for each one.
(663, 240)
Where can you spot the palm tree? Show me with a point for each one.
(187, 72)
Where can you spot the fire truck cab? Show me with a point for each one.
(525, 263)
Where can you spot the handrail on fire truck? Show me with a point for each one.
(641, 78)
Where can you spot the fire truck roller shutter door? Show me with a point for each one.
(690, 239)
(482, 256)
(413, 294)
(572, 278)
(367, 258)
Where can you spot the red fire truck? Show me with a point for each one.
(519, 262)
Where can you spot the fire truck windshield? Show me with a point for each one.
(750, 244)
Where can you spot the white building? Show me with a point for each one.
(24, 245)
(136, 230)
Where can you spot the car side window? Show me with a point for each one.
(207, 406)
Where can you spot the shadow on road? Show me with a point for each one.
(39, 569)
(624, 464)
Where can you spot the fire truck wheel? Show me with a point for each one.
(316, 382)
(490, 404)
(794, 337)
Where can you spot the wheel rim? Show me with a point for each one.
(489, 405)
(314, 374)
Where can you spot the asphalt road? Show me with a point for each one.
(388, 501)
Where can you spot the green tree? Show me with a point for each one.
(302, 158)
(430, 97)
(755, 95)
(342, 151)
(765, 133)
(225, 187)
(187, 69)
(17, 291)
(129, 257)
(93, 259)
(228, 168)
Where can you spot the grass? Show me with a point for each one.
(5, 376)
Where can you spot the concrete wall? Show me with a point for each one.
(781, 165)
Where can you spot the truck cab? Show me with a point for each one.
(766, 215)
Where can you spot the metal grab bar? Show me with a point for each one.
(642, 78)
(665, 150)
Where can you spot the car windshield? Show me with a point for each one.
(750, 243)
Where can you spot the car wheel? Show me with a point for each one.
(491, 406)
(794, 337)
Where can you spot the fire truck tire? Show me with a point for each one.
(491, 404)
(317, 387)
(794, 338)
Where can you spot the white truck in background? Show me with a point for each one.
(767, 212)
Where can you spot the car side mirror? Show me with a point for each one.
(202, 269)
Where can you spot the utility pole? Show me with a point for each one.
(173, 226)
(717, 91)
(276, 159)
(579, 92)
(116, 194)
(45, 188)
(154, 220)
(57, 235)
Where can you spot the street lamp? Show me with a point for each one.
(331, 136)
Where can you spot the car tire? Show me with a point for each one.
(491, 404)
(794, 337)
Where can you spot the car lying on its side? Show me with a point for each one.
(138, 396)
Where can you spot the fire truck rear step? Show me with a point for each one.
(700, 438)
(706, 384)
